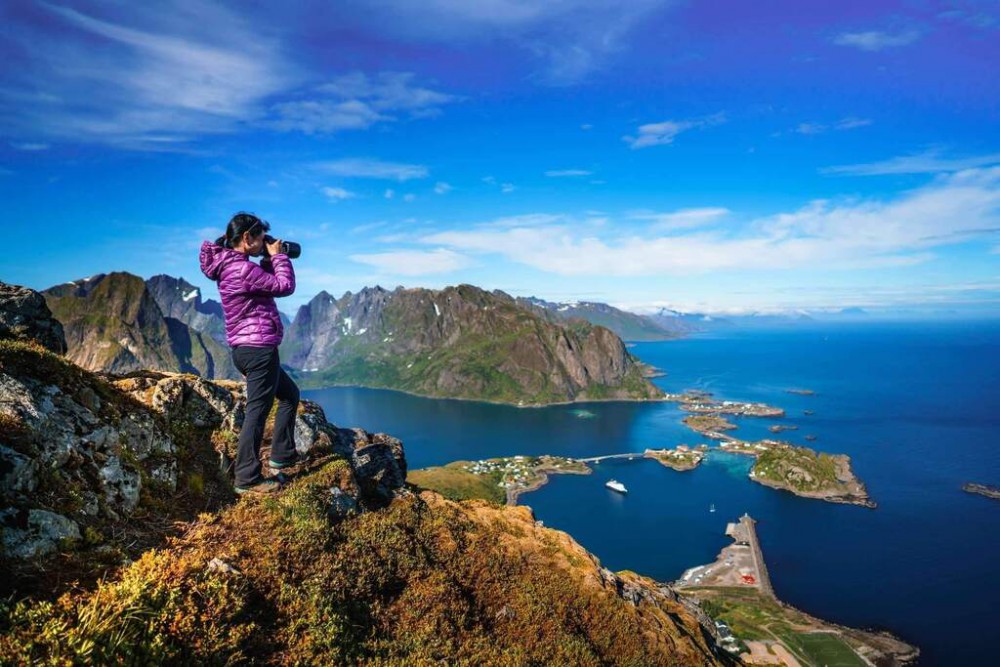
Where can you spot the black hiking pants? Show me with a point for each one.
(265, 381)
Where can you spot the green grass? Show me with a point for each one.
(455, 483)
(822, 649)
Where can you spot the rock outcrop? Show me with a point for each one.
(24, 316)
(81, 454)
(458, 342)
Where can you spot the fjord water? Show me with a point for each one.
(915, 405)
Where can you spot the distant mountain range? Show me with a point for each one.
(628, 326)
(461, 342)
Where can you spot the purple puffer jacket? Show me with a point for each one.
(248, 290)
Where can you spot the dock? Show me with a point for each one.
(740, 564)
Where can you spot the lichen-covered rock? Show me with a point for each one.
(25, 316)
(67, 452)
(378, 460)
(31, 533)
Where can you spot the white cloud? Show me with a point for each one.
(356, 101)
(389, 193)
(338, 194)
(324, 117)
(848, 123)
(370, 168)
(414, 262)
(30, 146)
(489, 180)
(586, 126)
(559, 173)
(148, 80)
(409, 197)
(685, 218)
(851, 122)
(442, 188)
(874, 40)
(658, 134)
(507, 188)
(569, 38)
(833, 235)
(928, 162)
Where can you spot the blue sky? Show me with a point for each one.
(710, 156)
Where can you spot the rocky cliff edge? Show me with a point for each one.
(124, 542)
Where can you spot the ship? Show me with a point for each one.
(617, 486)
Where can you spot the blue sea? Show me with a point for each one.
(916, 406)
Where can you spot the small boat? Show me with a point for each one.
(617, 486)
(712, 508)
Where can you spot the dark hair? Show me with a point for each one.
(240, 224)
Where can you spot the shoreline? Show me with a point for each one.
(655, 399)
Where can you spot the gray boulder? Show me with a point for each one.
(25, 316)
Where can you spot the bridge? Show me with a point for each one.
(598, 459)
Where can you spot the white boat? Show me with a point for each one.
(616, 485)
(712, 508)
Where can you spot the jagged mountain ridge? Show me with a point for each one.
(119, 323)
(461, 342)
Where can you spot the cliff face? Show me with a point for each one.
(458, 342)
(116, 481)
(115, 323)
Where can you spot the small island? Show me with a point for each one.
(778, 428)
(810, 474)
(711, 426)
(982, 490)
(801, 392)
(681, 458)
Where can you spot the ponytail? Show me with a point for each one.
(240, 224)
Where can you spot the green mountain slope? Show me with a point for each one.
(460, 342)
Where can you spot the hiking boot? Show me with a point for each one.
(261, 486)
(282, 465)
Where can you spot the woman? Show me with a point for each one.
(254, 330)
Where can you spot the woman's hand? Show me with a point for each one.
(274, 248)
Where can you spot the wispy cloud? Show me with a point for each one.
(570, 39)
(389, 193)
(836, 235)
(848, 123)
(414, 262)
(357, 101)
(567, 173)
(507, 188)
(371, 168)
(338, 194)
(442, 188)
(875, 40)
(928, 162)
(115, 81)
(29, 146)
(686, 218)
(659, 134)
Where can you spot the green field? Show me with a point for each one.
(822, 649)
(752, 616)
(455, 483)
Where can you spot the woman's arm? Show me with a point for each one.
(280, 281)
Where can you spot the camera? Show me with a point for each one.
(290, 248)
